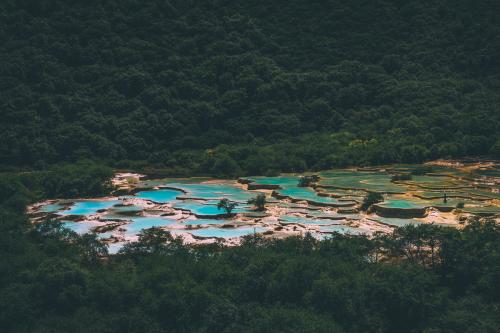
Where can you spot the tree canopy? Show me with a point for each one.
(247, 87)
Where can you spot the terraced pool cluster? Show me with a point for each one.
(329, 205)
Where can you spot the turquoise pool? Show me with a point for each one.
(400, 204)
(78, 227)
(162, 196)
(145, 222)
(89, 207)
(207, 208)
(52, 208)
(206, 221)
(397, 222)
(214, 191)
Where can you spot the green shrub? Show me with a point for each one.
(370, 199)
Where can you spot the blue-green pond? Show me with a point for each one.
(189, 206)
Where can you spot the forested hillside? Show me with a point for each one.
(247, 87)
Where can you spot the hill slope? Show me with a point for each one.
(281, 85)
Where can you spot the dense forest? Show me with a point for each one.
(247, 87)
(418, 279)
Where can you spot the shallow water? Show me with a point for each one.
(398, 222)
(52, 208)
(78, 227)
(206, 221)
(373, 181)
(214, 191)
(400, 204)
(489, 210)
(145, 222)
(289, 188)
(89, 207)
(306, 193)
(186, 198)
(162, 196)
(207, 208)
(283, 181)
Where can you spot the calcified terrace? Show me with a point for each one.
(444, 193)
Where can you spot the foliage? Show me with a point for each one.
(305, 181)
(227, 205)
(247, 87)
(153, 240)
(370, 199)
(70, 181)
(259, 201)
